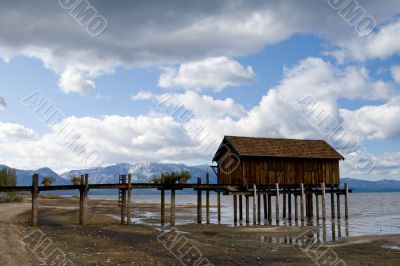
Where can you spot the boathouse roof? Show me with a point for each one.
(277, 147)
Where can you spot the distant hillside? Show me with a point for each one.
(24, 177)
(383, 185)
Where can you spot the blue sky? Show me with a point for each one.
(239, 70)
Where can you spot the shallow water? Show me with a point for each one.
(369, 213)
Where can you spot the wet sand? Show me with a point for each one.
(105, 242)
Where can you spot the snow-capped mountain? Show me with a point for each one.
(141, 172)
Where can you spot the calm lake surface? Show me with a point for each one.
(369, 213)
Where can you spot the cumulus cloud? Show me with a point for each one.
(142, 95)
(3, 104)
(381, 44)
(10, 132)
(212, 73)
(75, 81)
(142, 34)
(203, 106)
(375, 122)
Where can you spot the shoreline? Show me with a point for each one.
(105, 241)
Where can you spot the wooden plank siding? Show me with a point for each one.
(285, 171)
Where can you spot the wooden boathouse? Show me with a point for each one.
(265, 161)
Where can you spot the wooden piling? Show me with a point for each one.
(338, 205)
(207, 200)
(234, 208)
(302, 201)
(316, 206)
(129, 201)
(259, 208)
(346, 196)
(284, 205)
(162, 207)
(332, 203)
(35, 194)
(254, 204)
(277, 203)
(311, 205)
(219, 206)
(323, 201)
(296, 208)
(123, 202)
(240, 208)
(247, 210)
(269, 208)
(199, 209)
(265, 204)
(289, 206)
(172, 208)
(83, 199)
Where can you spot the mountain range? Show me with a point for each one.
(143, 172)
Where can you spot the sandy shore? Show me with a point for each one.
(105, 242)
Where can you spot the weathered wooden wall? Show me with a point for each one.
(285, 171)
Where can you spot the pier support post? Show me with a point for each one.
(296, 208)
(162, 207)
(323, 201)
(207, 200)
(123, 201)
(277, 203)
(265, 206)
(247, 210)
(302, 201)
(219, 206)
(332, 203)
(129, 201)
(346, 196)
(235, 209)
(269, 208)
(289, 206)
(199, 220)
(338, 204)
(284, 205)
(316, 206)
(35, 193)
(172, 208)
(259, 208)
(254, 204)
(83, 199)
(311, 205)
(240, 207)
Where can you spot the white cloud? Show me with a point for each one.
(375, 122)
(381, 44)
(154, 137)
(212, 73)
(396, 73)
(75, 81)
(142, 95)
(3, 104)
(11, 132)
(205, 107)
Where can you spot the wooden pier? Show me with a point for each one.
(306, 194)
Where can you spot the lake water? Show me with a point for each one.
(369, 213)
